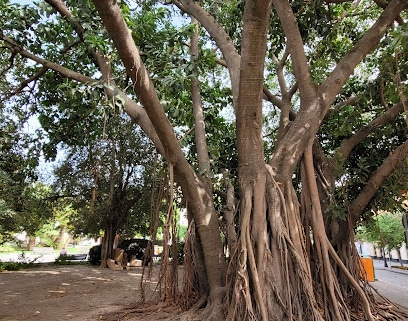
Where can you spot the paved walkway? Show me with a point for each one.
(39, 255)
(391, 282)
(29, 257)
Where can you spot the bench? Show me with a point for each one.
(79, 257)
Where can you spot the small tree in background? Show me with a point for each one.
(33, 211)
(106, 176)
(54, 231)
(386, 231)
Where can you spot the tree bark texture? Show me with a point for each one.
(196, 190)
(107, 244)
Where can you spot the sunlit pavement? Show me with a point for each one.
(391, 282)
(28, 257)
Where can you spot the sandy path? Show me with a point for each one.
(77, 292)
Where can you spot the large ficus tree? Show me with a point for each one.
(318, 93)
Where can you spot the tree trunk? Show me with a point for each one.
(383, 257)
(107, 244)
(62, 239)
(397, 249)
(31, 242)
(271, 280)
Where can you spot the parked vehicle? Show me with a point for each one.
(134, 248)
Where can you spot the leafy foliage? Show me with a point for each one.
(94, 256)
(107, 178)
(385, 230)
(34, 211)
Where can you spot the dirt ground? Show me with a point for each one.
(80, 293)
(72, 292)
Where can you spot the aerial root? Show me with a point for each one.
(325, 248)
(164, 312)
(385, 310)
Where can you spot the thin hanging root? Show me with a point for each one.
(155, 201)
(243, 256)
(366, 304)
(245, 292)
(304, 271)
(255, 278)
(288, 249)
(319, 226)
(321, 274)
(286, 246)
(188, 297)
(319, 235)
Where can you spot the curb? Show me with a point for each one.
(380, 266)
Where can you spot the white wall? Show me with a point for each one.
(368, 249)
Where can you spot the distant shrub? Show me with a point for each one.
(95, 255)
(22, 263)
(64, 259)
(11, 266)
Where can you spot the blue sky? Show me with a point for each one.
(21, 1)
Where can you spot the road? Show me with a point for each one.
(391, 283)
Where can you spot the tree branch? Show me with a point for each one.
(25, 83)
(120, 34)
(114, 23)
(287, 112)
(295, 48)
(335, 81)
(221, 38)
(100, 61)
(383, 4)
(46, 63)
(199, 123)
(395, 158)
(347, 145)
(135, 111)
